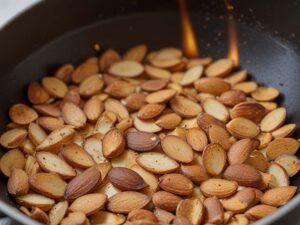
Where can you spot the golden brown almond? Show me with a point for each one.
(22, 114)
(238, 219)
(125, 202)
(134, 101)
(191, 75)
(278, 196)
(57, 213)
(214, 210)
(237, 77)
(104, 168)
(243, 128)
(64, 72)
(199, 61)
(265, 94)
(36, 93)
(185, 107)
(35, 200)
(219, 68)
(54, 86)
(194, 172)
(12, 159)
(250, 110)
(82, 184)
(196, 138)
(142, 141)
(126, 68)
(178, 132)
(284, 131)
(219, 135)
(241, 150)
(74, 218)
(214, 159)
(27, 147)
(257, 160)
(279, 176)
(113, 143)
(265, 139)
(247, 86)
(83, 71)
(48, 110)
(177, 149)
(124, 124)
(73, 115)
(105, 122)
(232, 97)
(180, 220)
(212, 85)
(290, 163)
(163, 216)
(126, 159)
(220, 188)
(17, 184)
(120, 89)
(243, 174)
(269, 105)
(192, 209)
(113, 105)
(168, 121)
(36, 134)
(176, 183)
(282, 146)
(108, 58)
(136, 53)
(216, 109)
(266, 181)
(157, 73)
(260, 211)
(93, 109)
(50, 123)
(126, 179)
(161, 96)
(88, 204)
(150, 111)
(90, 86)
(31, 166)
(36, 214)
(273, 119)
(72, 96)
(13, 138)
(204, 121)
(48, 184)
(139, 214)
(166, 201)
(154, 85)
(104, 217)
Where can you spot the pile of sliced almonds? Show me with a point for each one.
(149, 139)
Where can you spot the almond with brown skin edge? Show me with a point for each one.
(142, 141)
(113, 143)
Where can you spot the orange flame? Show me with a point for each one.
(233, 51)
(189, 43)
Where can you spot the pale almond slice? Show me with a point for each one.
(36, 93)
(12, 159)
(273, 120)
(142, 141)
(17, 184)
(197, 139)
(194, 172)
(199, 61)
(176, 183)
(282, 146)
(116, 107)
(58, 212)
(126, 159)
(56, 139)
(31, 165)
(124, 124)
(177, 149)
(109, 57)
(50, 123)
(232, 97)
(284, 131)
(113, 143)
(177, 77)
(257, 160)
(150, 111)
(265, 94)
(108, 189)
(249, 110)
(290, 163)
(280, 177)
(140, 214)
(238, 219)
(219, 68)
(90, 86)
(73, 115)
(185, 107)
(278, 196)
(202, 96)
(269, 105)
(13, 138)
(178, 88)
(88, 204)
(36, 200)
(52, 163)
(191, 75)
(48, 184)
(161, 96)
(157, 163)
(157, 73)
(93, 109)
(216, 109)
(237, 77)
(189, 123)
(260, 211)
(192, 209)
(265, 139)
(77, 156)
(36, 214)
(163, 216)
(36, 134)
(220, 188)
(75, 218)
(154, 85)
(107, 218)
(54, 86)
(48, 110)
(214, 210)
(120, 89)
(167, 53)
(136, 53)
(105, 122)
(22, 114)
(247, 86)
(212, 85)
(93, 146)
(243, 128)
(125, 202)
(146, 125)
(219, 135)
(126, 68)
(214, 159)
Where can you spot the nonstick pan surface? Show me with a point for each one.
(270, 59)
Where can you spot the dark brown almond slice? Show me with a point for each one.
(48, 110)
(113, 143)
(150, 111)
(176, 183)
(136, 53)
(204, 121)
(166, 201)
(282, 146)
(250, 110)
(109, 57)
(22, 114)
(219, 68)
(194, 172)
(37, 94)
(232, 97)
(134, 101)
(126, 68)
(161, 96)
(168, 121)
(12, 159)
(185, 107)
(120, 89)
(212, 85)
(13, 138)
(220, 188)
(196, 138)
(214, 159)
(50, 123)
(17, 184)
(214, 210)
(54, 86)
(154, 85)
(64, 73)
(142, 141)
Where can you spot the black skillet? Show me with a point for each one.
(57, 32)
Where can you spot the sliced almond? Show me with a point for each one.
(250, 110)
(192, 209)
(166, 63)
(265, 94)
(163, 216)
(166, 201)
(269, 105)
(185, 107)
(50, 123)
(140, 214)
(280, 177)
(214, 210)
(120, 89)
(36, 200)
(105, 218)
(219, 68)
(191, 75)
(214, 159)
(204, 121)
(134, 101)
(73, 115)
(57, 213)
(72, 96)
(265, 139)
(22, 114)
(194, 172)
(105, 122)
(273, 119)
(146, 125)
(64, 73)
(93, 146)
(126, 159)
(116, 107)
(108, 58)
(260, 211)
(220, 188)
(37, 94)
(48, 110)
(216, 109)
(12, 159)
(212, 85)
(189, 123)
(31, 165)
(196, 138)
(124, 124)
(176, 183)
(290, 163)
(284, 131)
(17, 184)
(199, 61)
(157, 163)
(232, 97)
(13, 138)
(243, 128)
(150, 111)
(257, 160)
(93, 109)
(168, 121)
(161, 96)
(113, 143)
(247, 86)
(126, 68)
(84, 70)
(136, 53)
(54, 86)
(219, 135)
(177, 149)
(108, 189)
(154, 85)
(77, 156)
(157, 73)
(142, 141)
(282, 146)
(36, 134)
(75, 218)
(237, 77)
(278, 196)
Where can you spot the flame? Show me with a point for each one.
(189, 43)
(233, 51)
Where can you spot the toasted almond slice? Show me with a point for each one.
(265, 139)
(202, 96)
(192, 209)
(150, 111)
(265, 94)
(126, 159)
(116, 107)
(247, 87)
(107, 218)
(163, 216)
(93, 109)
(177, 77)
(142, 141)
(214, 210)
(73, 115)
(90, 85)
(52, 163)
(166, 201)
(57, 213)
(194, 172)
(282, 146)
(273, 119)
(125, 202)
(189, 123)
(278, 196)
(105, 122)
(54, 86)
(219, 68)
(126, 68)
(290, 163)
(64, 72)
(216, 109)
(104, 168)
(28, 147)
(72, 96)
(22, 114)
(260, 211)
(175, 87)
(48, 110)
(204, 121)
(31, 165)
(168, 121)
(37, 94)
(161, 96)
(199, 61)
(191, 75)
(75, 218)
(219, 135)
(12, 159)
(93, 146)
(36, 200)
(284, 131)
(77, 156)
(157, 163)
(185, 107)
(113, 143)
(84, 70)
(214, 159)
(249, 110)
(237, 77)
(108, 189)
(280, 177)
(17, 184)
(108, 58)
(257, 160)
(56, 139)
(13, 138)
(167, 53)
(154, 85)
(243, 128)
(196, 138)
(50, 123)
(232, 97)
(48, 184)
(124, 124)
(212, 85)
(176, 183)
(88, 204)
(238, 219)
(136, 53)
(120, 89)
(134, 101)
(140, 214)
(36, 134)
(269, 105)
(157, 73)
(220, 188)
(177, 149)
(146, 125)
